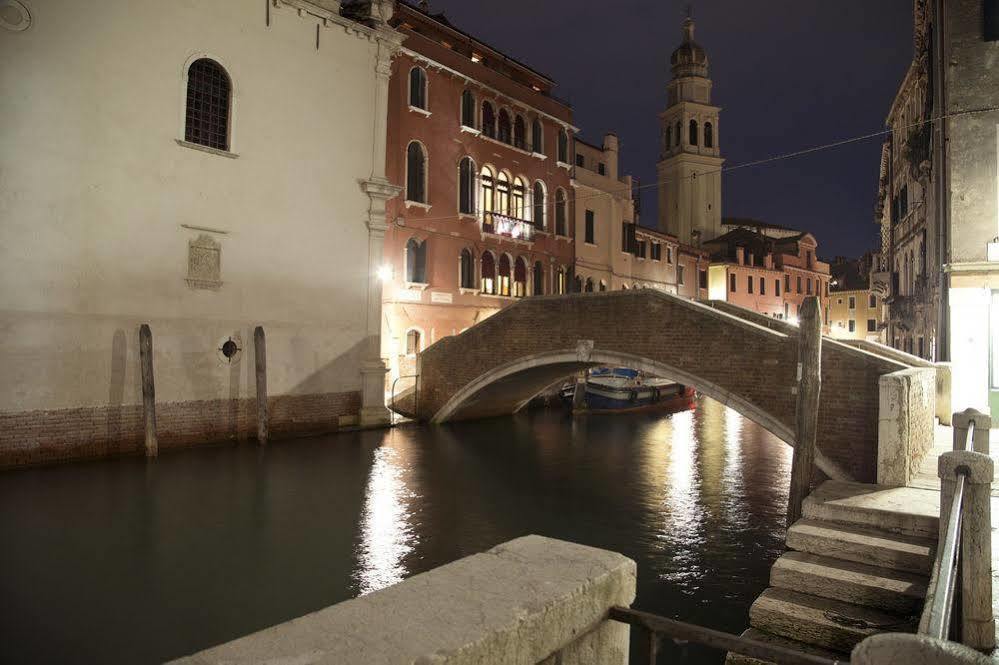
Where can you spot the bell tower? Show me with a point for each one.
(690, 158)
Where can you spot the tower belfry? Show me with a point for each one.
(690, 158)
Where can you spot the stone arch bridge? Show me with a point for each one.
(740, 358)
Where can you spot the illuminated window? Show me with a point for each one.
(488, 273)
(418, 88)
(518, 205)
(503, 276)
(560, 281)
(519, 278)
(603, 285)
(208, 95)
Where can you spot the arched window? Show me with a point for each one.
(466, 186)
(413, 342)
(693, 132)
(709, 135)
(589, 285)
(538, 279)
(487, 188)
(560, 281)
(537, 137)
(418, 88)
(518, 206)
(669, 137)
(519, 133)
(520, 278)
(503, 126)
(577, 285)
(468, 109)
(416, 261)
(416, 173)
(560, 212)
(678, 134)
(503, 276)
(466, 270)
(501, 201)
(603, 285)
(563, 147)
(209, 91)
(488, 273)
(538, 196)
(488, 120)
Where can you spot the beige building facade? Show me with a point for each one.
(613, 251)
(203, 168)
(855, 314)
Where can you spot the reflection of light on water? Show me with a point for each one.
(733, 449)
(683, 528)
(386, 533)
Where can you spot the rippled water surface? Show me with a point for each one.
(127, 562)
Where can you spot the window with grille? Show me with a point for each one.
(208, 96)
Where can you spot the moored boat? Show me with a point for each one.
(620, 389)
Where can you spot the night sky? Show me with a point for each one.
(788, 74)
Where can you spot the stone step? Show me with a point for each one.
(863, 545)
(823, 622)
(800, 647)
(903, 510)
(881, 588)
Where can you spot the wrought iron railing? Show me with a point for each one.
(657, 627)
(505, 225)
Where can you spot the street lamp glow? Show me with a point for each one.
(385, 273)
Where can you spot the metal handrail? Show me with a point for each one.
(944, 577)
(416, 390)
(687, 632)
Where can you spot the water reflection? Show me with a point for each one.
(387, 533)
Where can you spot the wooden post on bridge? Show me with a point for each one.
(807, 411)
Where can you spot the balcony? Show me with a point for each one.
(510, 227)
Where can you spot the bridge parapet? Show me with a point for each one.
(744, 360)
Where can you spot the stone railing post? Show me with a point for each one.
(980, 439)
(977, 624)
(914, 650)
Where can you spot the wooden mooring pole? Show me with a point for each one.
(260, 354)
(148, 389)
(807, 411)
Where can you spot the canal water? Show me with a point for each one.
(121, 561)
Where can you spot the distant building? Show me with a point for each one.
(767, 268)
(613, 251)
(855, 311)
(484, 152)
(690, 162)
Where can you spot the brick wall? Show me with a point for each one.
(37, 437)
(742, 356)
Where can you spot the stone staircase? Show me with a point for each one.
(858, 563)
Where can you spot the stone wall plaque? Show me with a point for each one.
(204, 263)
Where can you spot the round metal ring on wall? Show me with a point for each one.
(14, 16)
(230, 349)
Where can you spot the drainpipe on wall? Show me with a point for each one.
(942, 209)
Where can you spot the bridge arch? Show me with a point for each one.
(567, 362)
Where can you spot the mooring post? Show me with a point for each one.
(807, 412)
(260, 353)
(148, 389)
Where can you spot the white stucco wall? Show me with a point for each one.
(94, 190)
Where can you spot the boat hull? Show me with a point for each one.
(601, 399)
